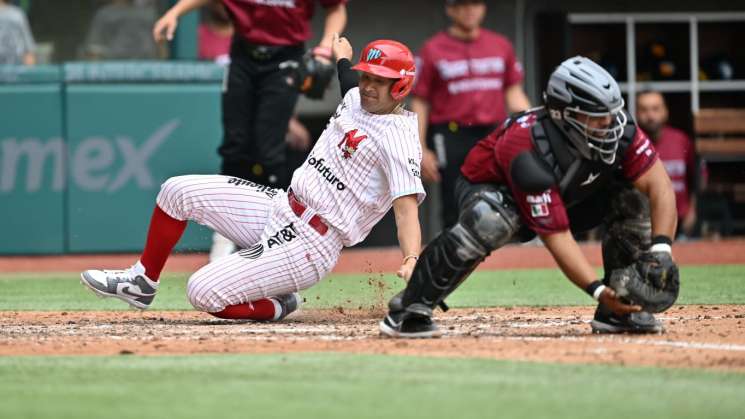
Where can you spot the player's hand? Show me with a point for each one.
(430, 170)
(298, 137)
(341, 48)
(167, 24)
(609, 299)
(406, 269)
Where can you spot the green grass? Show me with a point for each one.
(722, 284)
(328, 386)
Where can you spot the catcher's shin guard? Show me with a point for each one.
(486, 223)
(628, 230)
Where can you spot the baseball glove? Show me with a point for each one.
(311, 76)
(653, 282)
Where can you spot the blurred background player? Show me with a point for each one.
(16, 41)
(677, 153)
(258, 100)
(214, 34)
(121, 30)
(469, 80)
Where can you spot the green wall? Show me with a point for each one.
(83, 154)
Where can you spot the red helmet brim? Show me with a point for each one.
(378, 70)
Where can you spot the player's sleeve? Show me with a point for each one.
(513, 70)
(28, 38)
(639, 157)
(401, 159)
(348, 78)
(480, 164)
(544, 213)
(425, 71)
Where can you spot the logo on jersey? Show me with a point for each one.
(644, 148)
(326, 173)
(285, 235)
(373, 54)
(591, 178)
(253, 252)
(526, 121)
(349, 143)
(271, 193)
(539, 204)
(414, 166)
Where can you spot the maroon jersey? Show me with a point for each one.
(275, 22)
(677, 154)
(464, 81)
(544, 213)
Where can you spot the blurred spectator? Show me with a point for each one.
(121, 30)
(16, 41)
(298, 137)
(215, 33)
(676, 152)
(468, 79)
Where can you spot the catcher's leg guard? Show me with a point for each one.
(628, 229)
(487, 221)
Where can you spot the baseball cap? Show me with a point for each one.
(454, 2)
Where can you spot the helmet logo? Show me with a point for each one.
(373, 54)
(555, 114)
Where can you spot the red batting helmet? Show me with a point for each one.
(389, 59)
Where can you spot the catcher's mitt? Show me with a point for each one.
(311, 76)
(653, 282)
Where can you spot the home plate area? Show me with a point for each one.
(696, 336)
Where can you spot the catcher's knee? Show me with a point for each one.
(487, 222)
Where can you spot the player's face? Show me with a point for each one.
(595, 125)
(468, 15)
(375, 94)
(651, 113)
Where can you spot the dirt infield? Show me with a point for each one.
(697, 336)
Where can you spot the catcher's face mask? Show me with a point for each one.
(601, 130)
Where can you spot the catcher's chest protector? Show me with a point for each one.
(578, 178)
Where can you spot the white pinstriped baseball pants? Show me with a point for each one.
(282, 253)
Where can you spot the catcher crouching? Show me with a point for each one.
(576, 163)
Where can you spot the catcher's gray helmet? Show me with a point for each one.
(580, 89)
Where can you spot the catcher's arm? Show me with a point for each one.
(576, 267)
(656, 185)
(653, 281)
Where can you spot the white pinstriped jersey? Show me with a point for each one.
(360, 164)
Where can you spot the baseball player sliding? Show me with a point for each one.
(365, 162)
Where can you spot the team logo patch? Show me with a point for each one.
(539, 210)
(373, 54)
(350, 143)
(253, 252)
(539, 204)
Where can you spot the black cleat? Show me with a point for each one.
(413, 326)
(642, 322)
